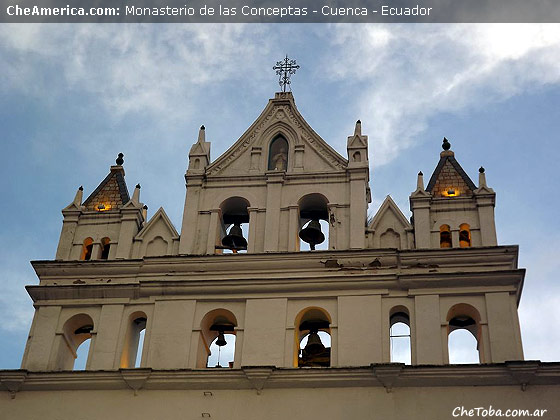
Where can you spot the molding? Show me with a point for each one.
(391, 376)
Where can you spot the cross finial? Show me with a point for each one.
(284, 69)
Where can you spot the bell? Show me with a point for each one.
(312, 234)
(221, 341)
(234, 239)
(314, 344)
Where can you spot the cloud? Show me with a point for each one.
(129, 68)
(410, 73)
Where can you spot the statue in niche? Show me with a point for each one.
(278, 155)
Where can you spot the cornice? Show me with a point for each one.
(328, 273)
(391, 376)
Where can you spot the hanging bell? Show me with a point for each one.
(312, 234)
(221, 341)
(314, 344)
(234, 239)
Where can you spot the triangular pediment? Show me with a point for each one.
(450, 176)
(249, 154)
(389, 214)
(199, 149)
(357, 142)
(111, 193)
(158, 225)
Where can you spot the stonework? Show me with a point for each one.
(239, 272)
(450, 180)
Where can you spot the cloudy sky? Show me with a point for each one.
(73, 96)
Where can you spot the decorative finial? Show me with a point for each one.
(446, 145)
(120, 159)
(81, 188)
(145, 207)
(202, 134)
(420, 182)
(284, 69)
(358, 128)
(138, 186)
(481, 169)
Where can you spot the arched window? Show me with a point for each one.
(313, 339)
(87, 248)
(134, 341)
(105, 246)
(76, 331)
(399, 335)
(235, 219)
(278, 154)
(445, 237)
(217, 339)
(464, 235)
(464, 335)
(313, 222)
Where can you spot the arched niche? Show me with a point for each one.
(313, 221)
(278, 152)
(312, 341)
(235, 224)
(157, 246)
(213, 325)
(390, 239)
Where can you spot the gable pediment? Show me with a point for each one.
(250, 154)
(158, 225)
(389, 214)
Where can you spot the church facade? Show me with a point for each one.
(309, 330)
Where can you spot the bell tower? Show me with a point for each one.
(278, 286)
(452, 212)
(275, 185)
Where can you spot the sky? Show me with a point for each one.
(73, 96)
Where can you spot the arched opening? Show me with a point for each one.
(357, 156)
(75, 332)
(105, 247)
(235, 222)
(216, 347)
(278, 154)
(399, 335)
(313, 222)
(464, 335)
(464, 235)
(313, 339)
(445, 237)
(87, 248)
(82, 353)
(222, 355)
(131, 356)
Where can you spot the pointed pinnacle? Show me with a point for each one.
(358, 128)
(202, 134)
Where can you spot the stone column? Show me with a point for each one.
(273, 199)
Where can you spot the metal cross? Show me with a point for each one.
(284, 69)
